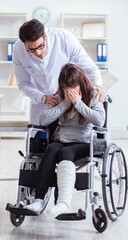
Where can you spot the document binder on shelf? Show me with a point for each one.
(104, 52)
(101, 52)
(10, 50)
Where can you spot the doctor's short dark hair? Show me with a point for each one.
(31, 30)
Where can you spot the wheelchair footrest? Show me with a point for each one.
(19, 211)
(81, 215)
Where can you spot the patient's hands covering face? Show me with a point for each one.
(74, 94)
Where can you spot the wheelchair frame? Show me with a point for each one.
(110, 162)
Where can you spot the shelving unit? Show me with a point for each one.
(11, 101)
(9, 27)
(91, 30)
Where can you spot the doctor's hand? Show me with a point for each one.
(100, 93)
(52, 99)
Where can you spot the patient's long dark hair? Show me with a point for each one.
(72, 75)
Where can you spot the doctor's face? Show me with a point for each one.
(38, 47)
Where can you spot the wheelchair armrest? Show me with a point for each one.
(100, 129)
(36, 126)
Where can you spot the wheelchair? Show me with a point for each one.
(107, 159)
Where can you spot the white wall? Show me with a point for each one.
(118, 40)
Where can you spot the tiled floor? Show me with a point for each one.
(42, 227)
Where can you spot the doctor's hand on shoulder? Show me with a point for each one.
(100, 93)
(52, 99)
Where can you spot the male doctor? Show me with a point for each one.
(38, 57)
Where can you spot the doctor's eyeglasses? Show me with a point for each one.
(40, 47)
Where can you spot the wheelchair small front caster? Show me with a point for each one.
(101, 223)
(16, 219)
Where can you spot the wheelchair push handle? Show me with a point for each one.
(21, 153)
(108, 99)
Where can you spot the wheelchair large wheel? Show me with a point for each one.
(114, 181)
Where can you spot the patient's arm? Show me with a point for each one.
(51, 114)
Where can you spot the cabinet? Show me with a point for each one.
(92, 31)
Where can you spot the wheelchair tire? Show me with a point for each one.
(114, 181)
(102, 223)
(119, 176)
(17, 219)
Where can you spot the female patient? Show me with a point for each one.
(78, 111)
